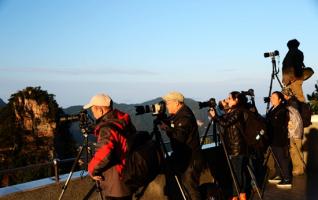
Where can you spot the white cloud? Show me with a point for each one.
(79, 71)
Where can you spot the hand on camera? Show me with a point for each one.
(97, 178)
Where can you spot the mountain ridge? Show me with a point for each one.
(144, 122)
(2, 103)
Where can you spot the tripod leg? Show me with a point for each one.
(269, 152)
(90, 192)
(206, 132)
(159, 140)
(264, 182)
(277, 163)
(71, 172)
(180, 187)
(274, 74)
(254, 182)
(230, 165)
(266, 173)
(86, 154)
(96, 187)
(99, 189)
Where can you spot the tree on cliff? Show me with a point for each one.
(28, 131)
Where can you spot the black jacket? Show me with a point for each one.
(233, 126)
(277, 126)
(184, 138)
(294, 62)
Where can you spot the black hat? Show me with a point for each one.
(293, 44)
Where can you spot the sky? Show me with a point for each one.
(138, 50)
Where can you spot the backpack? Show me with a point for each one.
(255, 134)
(305, 113)
(143, 161)
(295, 124)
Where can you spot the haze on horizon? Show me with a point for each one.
(139, 50)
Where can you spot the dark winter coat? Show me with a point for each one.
(293, 63)
(184, 138)
(277, 126)
(233, 126)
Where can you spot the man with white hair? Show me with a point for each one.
(112, 130)
(182, 130)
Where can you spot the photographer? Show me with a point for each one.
(112, 130)
(182, 131)
(293, 65)
(233, 124)
(277, 119)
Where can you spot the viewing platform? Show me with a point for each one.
(304, 187)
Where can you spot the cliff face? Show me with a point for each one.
(34, 117)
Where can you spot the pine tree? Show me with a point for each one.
(313, 100)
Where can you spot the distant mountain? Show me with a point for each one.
(145, 121)
(2, 104)
(72, 110)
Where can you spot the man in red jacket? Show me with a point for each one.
(112, 130)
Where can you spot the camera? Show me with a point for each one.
(249, 92)
(81, 116)
(266, 99)
(86, 122)
(210, 103)
(155, 109)
(271, 54)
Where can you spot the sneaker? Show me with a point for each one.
(285, 183)
(276, 179)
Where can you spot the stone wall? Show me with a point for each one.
(310, 145)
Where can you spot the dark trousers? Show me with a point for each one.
(283, 158)
(191, 180)
(239, 164)
(188, 179)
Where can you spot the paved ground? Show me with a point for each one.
(304, 188)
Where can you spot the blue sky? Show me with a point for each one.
(139, 50)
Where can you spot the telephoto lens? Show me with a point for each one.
(271, 54)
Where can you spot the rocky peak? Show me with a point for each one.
(32, 109)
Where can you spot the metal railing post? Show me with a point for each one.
(56, 163)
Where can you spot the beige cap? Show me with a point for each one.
(99, 100)
(176, 96)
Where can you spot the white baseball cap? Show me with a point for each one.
(176, 96)
(99, 100)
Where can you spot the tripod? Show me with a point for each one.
(215, 136)
(268, 153)
(234, 178)
(160, 142)
(81, 148)
(275, 72)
